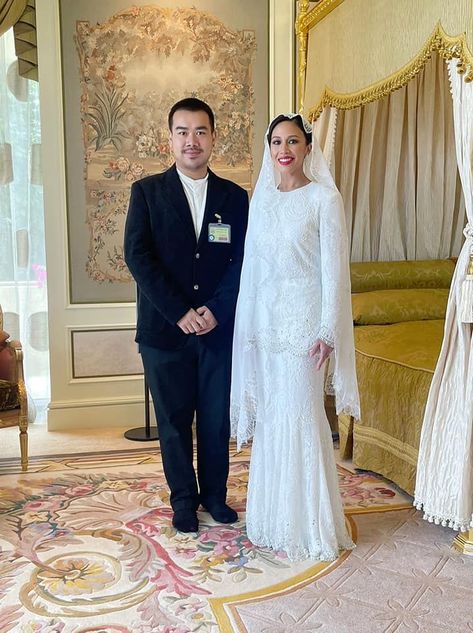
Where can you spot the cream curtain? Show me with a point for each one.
(10, 13)
(444, 487)
(324, 129)
(395, 166)
(23, 293)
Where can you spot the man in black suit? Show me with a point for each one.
(184, 241)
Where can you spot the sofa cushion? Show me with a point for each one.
(380, 307)
(9, 395)
(431, 273)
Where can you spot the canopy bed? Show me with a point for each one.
(392, 108)
(399, 318)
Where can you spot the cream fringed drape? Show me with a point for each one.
(10, 13)
(25, 42)
(444, 487)
(21, 15)
(395, 166)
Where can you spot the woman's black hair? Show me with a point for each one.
(295, 119)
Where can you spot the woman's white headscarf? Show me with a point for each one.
(315, 166)
(342, 373)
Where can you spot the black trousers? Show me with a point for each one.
(194, 379)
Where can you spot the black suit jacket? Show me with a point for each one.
(173, 271)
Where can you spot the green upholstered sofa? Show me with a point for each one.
(399, 315)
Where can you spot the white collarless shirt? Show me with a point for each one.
(196, 194)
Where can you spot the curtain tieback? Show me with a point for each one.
(468, 231)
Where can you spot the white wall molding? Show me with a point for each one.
(282, 57)
(106, 413)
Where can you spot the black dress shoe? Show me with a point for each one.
(221, 513)
(185, 520)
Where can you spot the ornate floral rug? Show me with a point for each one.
(87, 545)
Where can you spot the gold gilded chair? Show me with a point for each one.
(13, 398)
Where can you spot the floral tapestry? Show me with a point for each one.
(132, 67)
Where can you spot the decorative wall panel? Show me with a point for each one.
(123, 68)
(104, 353)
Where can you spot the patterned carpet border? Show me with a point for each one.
(135, 457)
(224, 607)
(72, 461)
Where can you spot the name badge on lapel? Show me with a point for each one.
(218, 232)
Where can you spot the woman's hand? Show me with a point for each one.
(322, 350)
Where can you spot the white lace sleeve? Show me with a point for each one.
(336, 325)
(334, 265)
(326, 336)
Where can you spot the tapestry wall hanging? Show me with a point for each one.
(123, 68)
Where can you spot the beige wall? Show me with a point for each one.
(360, 42)
(118, 400)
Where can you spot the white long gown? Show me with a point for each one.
(295, 285)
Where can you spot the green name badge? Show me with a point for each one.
(220, 233)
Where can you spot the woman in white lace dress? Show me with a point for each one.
(293, 310)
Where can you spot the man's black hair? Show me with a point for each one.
(192, 104)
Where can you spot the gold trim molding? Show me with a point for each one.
(307, 18)
(313, 16)
(448, 47)
(302, 37)
(221, 607)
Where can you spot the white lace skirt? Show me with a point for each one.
(294, 502)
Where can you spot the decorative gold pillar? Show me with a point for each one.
(307, 18)
(302, 36)
(463, 542)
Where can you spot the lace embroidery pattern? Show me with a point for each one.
(326, 336)
(283, 306)
(294, 550)
(293, 500)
